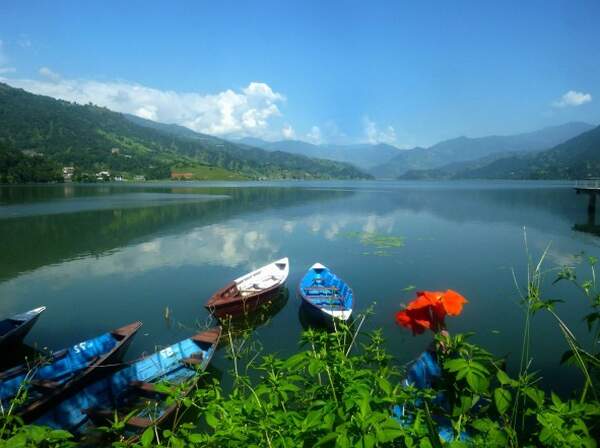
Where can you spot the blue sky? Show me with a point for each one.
(408, 73)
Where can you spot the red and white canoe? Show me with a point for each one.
(249, 291)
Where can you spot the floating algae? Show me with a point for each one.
(381, 243)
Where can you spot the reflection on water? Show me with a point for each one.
(239, 325)
(102, 256)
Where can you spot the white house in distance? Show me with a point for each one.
(68, 172)
(103, 175)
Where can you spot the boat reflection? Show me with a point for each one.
(240, 324)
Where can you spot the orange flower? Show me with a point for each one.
(429, 310)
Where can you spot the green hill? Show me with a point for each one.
(93, 138)
(577, 158)
(465, 149)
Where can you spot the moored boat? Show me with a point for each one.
(14, 328)
(250, 291)
(134, 388)
(326, 295)
(49, 380)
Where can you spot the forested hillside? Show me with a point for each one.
(93, 138)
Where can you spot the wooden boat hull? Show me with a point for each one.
(249, 292)
(45, 392)
(245, 305)
(121, 391)
(18, 326)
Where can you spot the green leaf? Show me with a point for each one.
(59, 434)
(211, 420)
(536, 395)
(147, 436)
(455, 365)
(502, 398)
(314, 366)
(328, 438)
(503, 378)
(477, 382)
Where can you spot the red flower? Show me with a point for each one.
(429, 309)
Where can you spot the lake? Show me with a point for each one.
(101, 256)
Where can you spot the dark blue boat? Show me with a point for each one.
(325, 295)
(133, 388)
(49, 380)
(422, 373)
(15, 328)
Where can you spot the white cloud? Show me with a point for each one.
(314, 136)
(248, 112)
(288, 132)
(49, 74)
(375, 135)
(573, 98)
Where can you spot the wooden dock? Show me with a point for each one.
(591, 187)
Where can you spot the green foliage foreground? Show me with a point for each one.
(341, 387)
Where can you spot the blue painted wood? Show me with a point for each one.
(47, 381)
(325, 294)
(118, 391)
(15, 328)
(422, 373)
(61, 368)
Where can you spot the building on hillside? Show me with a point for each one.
(181, 176)
(103, 175)
(115, 151)
(68, 172)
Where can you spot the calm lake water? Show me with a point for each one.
(101, 256)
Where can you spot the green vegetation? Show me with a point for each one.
(17, 168)
(381, 243)
(93, 139)
(577, 158)
(340, 390)
(452, 154)
(204, 172)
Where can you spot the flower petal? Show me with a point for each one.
(453, 302)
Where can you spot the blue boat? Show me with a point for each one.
(15, 328)
(325, 295)
(134, 388)
(50, 379)
(422, 373)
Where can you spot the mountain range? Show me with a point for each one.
(40, 134)
(479, 151)
(363, 155)
(446, 159)
(94, 138)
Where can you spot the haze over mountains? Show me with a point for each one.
(446, 159)
(576, 158)
(463, 149)
(363, 155)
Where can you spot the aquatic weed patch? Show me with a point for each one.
(382, 244)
